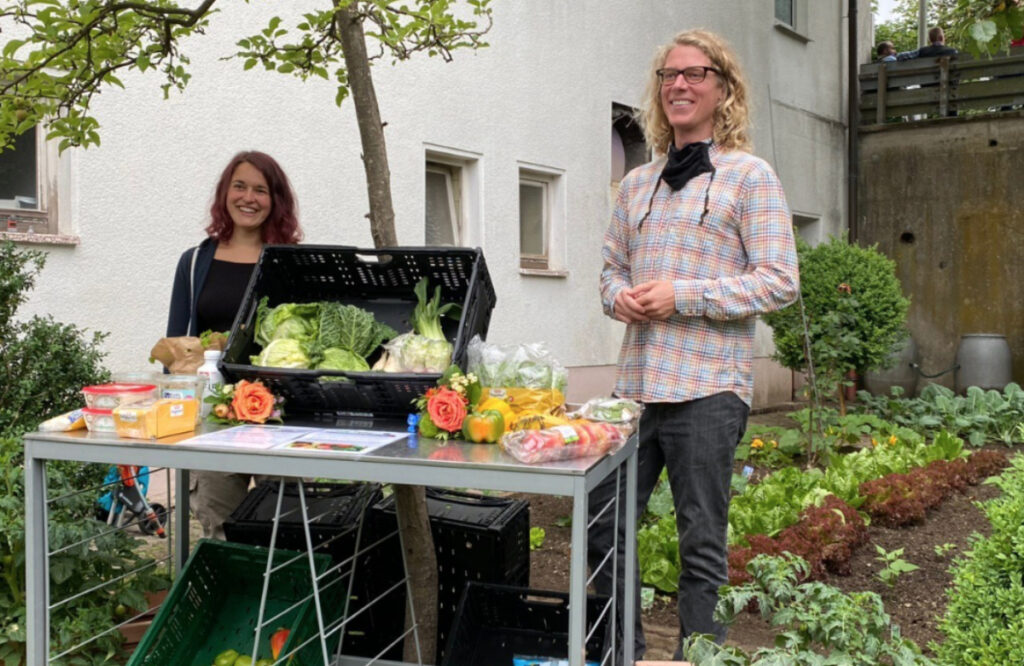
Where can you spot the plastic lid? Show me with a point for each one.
(96, 412)
(212, 354)
(116, 387)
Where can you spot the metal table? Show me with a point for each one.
(404, 462)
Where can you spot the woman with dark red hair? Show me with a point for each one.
(253, 205)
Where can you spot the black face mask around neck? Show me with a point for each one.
(686, 163)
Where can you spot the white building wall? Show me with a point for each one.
(541, 94)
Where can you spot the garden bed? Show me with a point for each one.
(915, 601)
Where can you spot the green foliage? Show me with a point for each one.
(777, 501)
(818, 623)
(895, 565)
(63, 53)
(43, 365)
(537, 536)
(943, 550)
(984, 618)
(980, 415)
(855, 312)
(986, 27)
(657, 551)
(770, 446)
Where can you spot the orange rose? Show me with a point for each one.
(447, 409)
(252, 402)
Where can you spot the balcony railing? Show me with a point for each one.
(940, 87)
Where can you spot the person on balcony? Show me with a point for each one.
(937, 45)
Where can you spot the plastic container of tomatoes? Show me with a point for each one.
(579, 439)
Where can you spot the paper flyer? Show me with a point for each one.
(250, 436)
(338, 441)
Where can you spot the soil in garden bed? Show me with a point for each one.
(915, 602)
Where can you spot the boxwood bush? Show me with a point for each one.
(984, 620)
(855, 308)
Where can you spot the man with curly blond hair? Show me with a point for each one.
(700, 243)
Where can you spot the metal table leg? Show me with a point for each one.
(36, 561)
(629, 609)
(578, 576)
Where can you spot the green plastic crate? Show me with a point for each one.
(214, 605)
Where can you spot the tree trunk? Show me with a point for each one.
(418, 547)
(410, 501)
(371, 130)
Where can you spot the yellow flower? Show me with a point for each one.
(892, 440)
(757, 444)
(874, 442)
(775, 444)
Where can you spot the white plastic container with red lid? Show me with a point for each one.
(99, 420)
(108, 396)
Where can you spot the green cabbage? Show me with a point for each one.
(283, 353)
(342, 359)
(295, 321)
(351, 328)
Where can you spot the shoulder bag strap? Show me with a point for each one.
(191, 287)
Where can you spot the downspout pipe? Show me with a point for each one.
(852, 119)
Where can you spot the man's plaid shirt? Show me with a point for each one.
(738, 263)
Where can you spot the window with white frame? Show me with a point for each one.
(791, 18)
(34, 194)
(443, 210)
(534, 222)
(452, 197)
(541, 220)
(785, 11)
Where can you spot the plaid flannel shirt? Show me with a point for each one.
(738, 263)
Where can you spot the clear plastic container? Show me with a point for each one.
(137, 377)
(181, 387)
(99, 420)
(108, 396)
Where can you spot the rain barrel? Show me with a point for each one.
(983, 360)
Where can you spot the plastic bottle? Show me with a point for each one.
(210, 371)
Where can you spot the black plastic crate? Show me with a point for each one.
(497, 622)
(378, 280)
(334, 510)
(476, 538)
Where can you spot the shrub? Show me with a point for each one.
(855, 311)
(43, 365)
(984, 619)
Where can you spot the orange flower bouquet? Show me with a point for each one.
(244, 402)
(444, 407)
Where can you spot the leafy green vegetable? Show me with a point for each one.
(352, 329)
(426, 316)
(296, 321)
(342, 359)
(283, 353)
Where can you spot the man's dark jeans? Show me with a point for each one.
(695, 441)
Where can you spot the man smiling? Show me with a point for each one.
(699, 244)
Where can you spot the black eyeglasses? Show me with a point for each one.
(693, 75)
